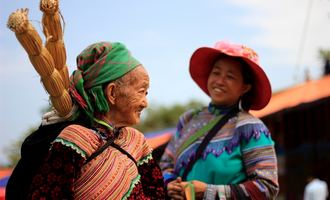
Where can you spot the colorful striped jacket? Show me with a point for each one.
(238, 163)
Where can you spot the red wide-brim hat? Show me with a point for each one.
(202, 61)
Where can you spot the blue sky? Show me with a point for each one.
(163, 35)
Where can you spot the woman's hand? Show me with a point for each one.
(199, 187)
(175, 190)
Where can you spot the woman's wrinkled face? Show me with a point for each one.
(225, 83)
(130, 98)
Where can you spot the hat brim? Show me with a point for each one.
(201, 64)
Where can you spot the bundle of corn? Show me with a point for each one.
(41, 59)
(52, 28)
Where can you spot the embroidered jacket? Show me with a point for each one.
(238, 163)
(111, 175)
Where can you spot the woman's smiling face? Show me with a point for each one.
(225, 83)
(131, 98)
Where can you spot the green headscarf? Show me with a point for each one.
(98, 64)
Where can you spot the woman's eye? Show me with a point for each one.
(143, 92)
(216, 73)
(230, 76)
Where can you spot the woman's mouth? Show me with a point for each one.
(218, 90)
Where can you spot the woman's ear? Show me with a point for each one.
(110, 93)
(247, 87)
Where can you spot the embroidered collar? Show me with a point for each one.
(105, 133)
(219, 110)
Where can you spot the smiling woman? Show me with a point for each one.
(221, 151)
(226, 82)
(131, 98)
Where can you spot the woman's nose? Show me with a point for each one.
(145, 102)
(220, 79)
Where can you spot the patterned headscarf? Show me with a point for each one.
(97, 65)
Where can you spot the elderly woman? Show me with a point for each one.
(221, 151)
(109, 88)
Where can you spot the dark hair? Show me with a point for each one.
(248, 79)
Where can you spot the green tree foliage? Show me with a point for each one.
(160, 117)
(13, 152)
(325, 56)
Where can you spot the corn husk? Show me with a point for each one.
(52, 28)
(63, 103)
(53, 84)
(25, 32)
(43, 63)
(65, 73)
(57, 50)
(41, 60)
(51, 20)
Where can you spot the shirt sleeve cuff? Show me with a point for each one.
(211, 192)
(168, 177)
(221, 192)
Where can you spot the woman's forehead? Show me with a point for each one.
(230, 64)
(138, 78)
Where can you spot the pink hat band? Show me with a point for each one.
(237, 51)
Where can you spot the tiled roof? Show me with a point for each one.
(303, 93)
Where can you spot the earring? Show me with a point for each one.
(240, 105)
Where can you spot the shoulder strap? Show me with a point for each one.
(110, 142)
(207, 139)
(100, 150)
(124, 152)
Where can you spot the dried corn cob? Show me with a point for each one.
(41, 59)
(52, 28)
